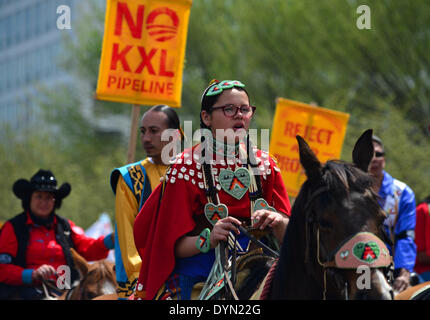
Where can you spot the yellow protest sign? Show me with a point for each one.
(143, 51)
(323, 129)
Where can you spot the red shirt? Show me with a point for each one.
(422, 235)
(43, 248)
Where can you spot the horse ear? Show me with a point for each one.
(80, 263)
(362, 153)
(308, 159)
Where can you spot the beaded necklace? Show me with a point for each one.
(215, 210)
(242, 178)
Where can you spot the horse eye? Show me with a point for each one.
(325, 224)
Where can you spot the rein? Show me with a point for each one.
(46, 291)
(230, 282)
(46, 285)
(222, 267)
(271, 252)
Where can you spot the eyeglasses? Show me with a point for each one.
(379, 154)
(231, 110)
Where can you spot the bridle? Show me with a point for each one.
(77, 289)
(230, 280)
(346, 254)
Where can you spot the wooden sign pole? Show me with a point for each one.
(135, 114)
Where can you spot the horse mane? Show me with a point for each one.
(101, 270)
(97, 272)
(342, 177)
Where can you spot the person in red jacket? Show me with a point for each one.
(422, 240)
(35, 245)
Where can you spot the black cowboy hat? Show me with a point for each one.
(42, 180)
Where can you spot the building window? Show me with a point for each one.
(21, 71)
(47, 14)
(27, 68)
(2, 34)
(8, 79)
(8, 31)
(20, 24)
(2, 77)
(40, 18)
(34, 20)
(13, 29)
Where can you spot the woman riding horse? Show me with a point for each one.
(209, 191)
(35, 243)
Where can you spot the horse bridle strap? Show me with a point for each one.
(315, 194)
(308, 217)
(46, 285)
(362, 248)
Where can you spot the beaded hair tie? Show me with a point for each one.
(222, 85)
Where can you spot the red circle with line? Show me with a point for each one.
(162, 32)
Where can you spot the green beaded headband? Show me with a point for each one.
(222, 85)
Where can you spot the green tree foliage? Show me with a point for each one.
(305, 50)
(88, 175)
(313, 52)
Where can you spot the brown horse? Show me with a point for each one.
(419, 292)
(96, 279)
(335, 219)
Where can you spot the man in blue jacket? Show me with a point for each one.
(398, 201)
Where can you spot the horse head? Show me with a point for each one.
(332, 247)
(96, 279)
